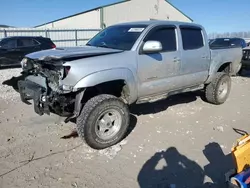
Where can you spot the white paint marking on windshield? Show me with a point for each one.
(139, 30)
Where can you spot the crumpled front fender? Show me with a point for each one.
(111, 75)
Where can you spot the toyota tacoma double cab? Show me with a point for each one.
(124, 64)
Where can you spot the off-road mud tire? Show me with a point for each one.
(212, 91)
(91, 111)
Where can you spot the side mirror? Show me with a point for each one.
(152, 47)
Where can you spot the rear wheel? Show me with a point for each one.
(103, 122)
(218, 90)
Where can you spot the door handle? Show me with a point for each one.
(176, 60)
(15, 50)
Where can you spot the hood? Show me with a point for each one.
(71, 52)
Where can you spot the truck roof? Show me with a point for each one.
(156, 22)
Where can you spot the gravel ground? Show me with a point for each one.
(179, 142)
(7, 92)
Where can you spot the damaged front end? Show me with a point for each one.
(50, 79)
(43, 85)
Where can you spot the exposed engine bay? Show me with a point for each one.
(42, 84)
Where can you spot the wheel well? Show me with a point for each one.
(117, 88)
(225, 67)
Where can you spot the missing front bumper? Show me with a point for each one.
(31, 91)
(47, 101)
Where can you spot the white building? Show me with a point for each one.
(124, 11)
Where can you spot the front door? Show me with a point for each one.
(8, 55)
(157, 71)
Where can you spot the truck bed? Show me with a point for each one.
(231, 55)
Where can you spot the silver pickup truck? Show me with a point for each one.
(124, 64)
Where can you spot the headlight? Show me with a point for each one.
(24, 62)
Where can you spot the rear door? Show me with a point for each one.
(195, 56)
(157, 71)
(26, 46)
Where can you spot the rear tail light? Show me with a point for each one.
(53, 46)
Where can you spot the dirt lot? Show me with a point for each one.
(180, 142)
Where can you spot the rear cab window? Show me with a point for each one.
(192, 37)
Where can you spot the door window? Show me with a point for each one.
(8, 44)
(166, 36)
(192, 38)
(26, 42)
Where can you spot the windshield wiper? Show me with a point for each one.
(103, 46)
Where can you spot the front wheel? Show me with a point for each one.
(103, 122)
(218, 90)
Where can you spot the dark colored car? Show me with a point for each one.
(245, 59)
(13, 49)
(228, 42)
(210, 41)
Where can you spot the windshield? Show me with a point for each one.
(121, 37)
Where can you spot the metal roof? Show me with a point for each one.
(179, 10)
(156, 22)
(124, 1)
